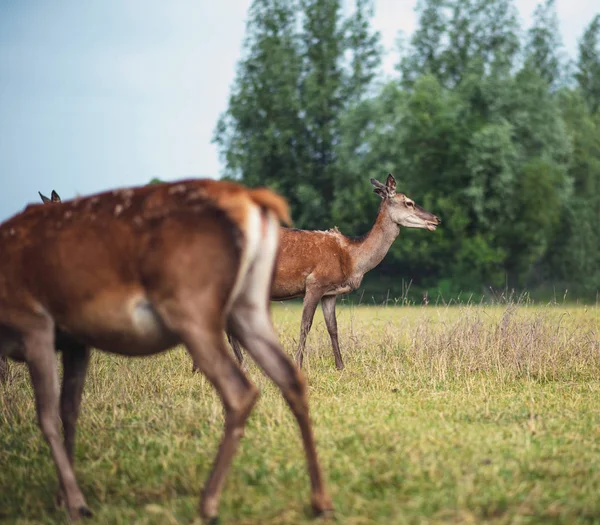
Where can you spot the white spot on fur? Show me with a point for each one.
(178, 188)
(144, 318)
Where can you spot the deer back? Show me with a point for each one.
(305, 255)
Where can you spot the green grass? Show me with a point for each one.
(443, 415)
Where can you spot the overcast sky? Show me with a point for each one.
(107, 93)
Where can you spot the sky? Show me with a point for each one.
(109, 93)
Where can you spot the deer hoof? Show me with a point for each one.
(339, 366)
(327, 515)
(80, 512)
(323, 507)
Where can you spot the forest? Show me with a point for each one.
(487, 124)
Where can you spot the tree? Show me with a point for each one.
(574, 255)
(461, 37)
(260, 135)
(544, 45)
(282, 127)
(588, 64)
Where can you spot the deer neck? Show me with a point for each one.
(371, 249)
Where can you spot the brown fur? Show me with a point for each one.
(267, 199)
(136, 271)
(310, 255)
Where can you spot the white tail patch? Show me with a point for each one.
(258, 285)
(252, 237)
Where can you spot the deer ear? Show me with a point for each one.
(378, 184)
(380, 192)
(45, 199)
(391, 184)
(54, 196)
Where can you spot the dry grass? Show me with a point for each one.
(443, 415)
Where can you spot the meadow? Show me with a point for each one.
(460, 414)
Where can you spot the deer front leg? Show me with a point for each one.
(41, 360)
(311, 299)
(328, 305)
(75, 363)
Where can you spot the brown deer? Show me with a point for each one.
(138, 271)
(320, 265)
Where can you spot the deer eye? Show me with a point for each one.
(410, 204)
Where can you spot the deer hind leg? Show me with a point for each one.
(75, 362)
(237, 349)
(328, 305)
(206, 345)
(41, 360)
(252, 325)
(311, 300)
(250, 322)
(238, 395)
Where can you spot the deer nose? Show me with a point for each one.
(439, 221)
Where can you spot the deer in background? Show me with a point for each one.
(320, 265)
(138, 271)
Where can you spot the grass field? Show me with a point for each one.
(443, 415)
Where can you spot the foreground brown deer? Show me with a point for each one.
(136, 272)
(320, 265)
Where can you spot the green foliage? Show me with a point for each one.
(499, 143)
(544, 43)
(461, 37)
(588, 65)
(303, 65)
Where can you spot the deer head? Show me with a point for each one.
(53, 197)
(402, 210)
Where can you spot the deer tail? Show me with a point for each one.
(270, 200)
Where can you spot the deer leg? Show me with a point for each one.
(328, 305)
(75, 363)
(206, 345)
(311, 300)
(238, 395)
(237, 349)
(253, 326)
(41, 360)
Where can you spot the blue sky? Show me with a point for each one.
(107, 93)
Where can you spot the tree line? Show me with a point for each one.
(493, 128)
